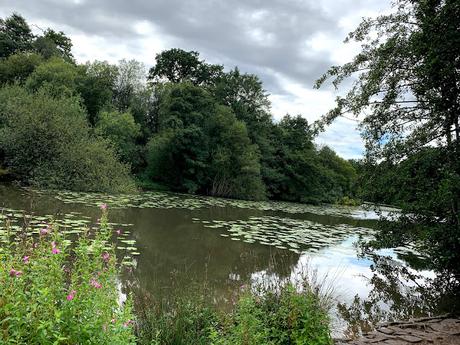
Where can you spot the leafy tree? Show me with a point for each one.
(177, 65)
(341, 173)
(130, 81)
(235, 166)
(407, 91)
(46, 141)
(294, 169)
(96, 86)
(245, 95)
(201, 147)
(122, 131)
(54, 43)
(18, 67)
(15, 35)
(408, 78)
(57, 75)
(144, 106)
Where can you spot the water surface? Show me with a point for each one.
(173, 243)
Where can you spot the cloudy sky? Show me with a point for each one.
(288, 43)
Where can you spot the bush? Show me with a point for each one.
(46, 141)
(287, 316)
(55, 293)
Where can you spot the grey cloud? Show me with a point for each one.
(265, 37)
(259, 35)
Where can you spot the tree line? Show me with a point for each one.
(184, 125)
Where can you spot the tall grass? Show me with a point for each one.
(269, 311)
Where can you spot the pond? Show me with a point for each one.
(171, 243)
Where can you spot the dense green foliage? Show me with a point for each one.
(271, 316)
(17, 37)
(56, 293)
(274, 160)
(201, 147)
(46, 141)
(408, 94)
(187, 125)
(122, 131)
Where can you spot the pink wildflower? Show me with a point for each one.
(127, 323)
(71, 295)
(118, 232)
(14, 273)
(25, 259)
(44, 231)
(112, 321)
(103, 206)
(54, 249)
(94, 283)
(105, 257)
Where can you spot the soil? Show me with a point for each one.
(441, 330)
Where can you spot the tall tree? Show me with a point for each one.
(130, 81)
(406, 90)
(245, 95)
(202, 148)
(15, 35)
(177, 65)
(407, 81)
(53, 43)
(97, 86)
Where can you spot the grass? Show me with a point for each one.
(270, 312)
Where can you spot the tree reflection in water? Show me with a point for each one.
(399, 292)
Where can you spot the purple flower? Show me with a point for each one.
(44, 231)
(94, 283)
(105, 257)
(71, 295)
(118, 232)
(14, 273)
(25, 259)
(103, 207)
(54, 249)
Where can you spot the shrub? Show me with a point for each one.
(57, 293)
(286, 316)
(46, 141)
